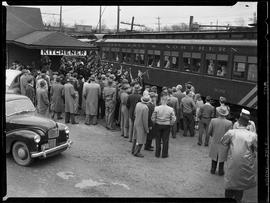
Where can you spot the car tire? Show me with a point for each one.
(21, 154)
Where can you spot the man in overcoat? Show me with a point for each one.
(140, 125)
(30, 91)
(217, 128)
(69, 94)
(206, 113)
(42, 100)
(57, 103)
(91, 93)
(179, 95)
(151, 106)
(173, 102)
(109, 96)
(23, 81)
(124, 110)
(132, 100)
(241, 173)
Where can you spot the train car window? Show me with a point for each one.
(171, 59)
(252, 69)
(195, 62)
(127, 56)
(210, 63)
(187, 61)
(222, 64)
(139, 58)
(239, 68)
(153, 58)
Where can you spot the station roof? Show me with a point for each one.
(25, 28)
(51, 39)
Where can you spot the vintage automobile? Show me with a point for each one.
(30, 136)
(13, 81)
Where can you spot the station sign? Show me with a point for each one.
(61, 52)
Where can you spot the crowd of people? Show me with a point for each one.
(144, 114)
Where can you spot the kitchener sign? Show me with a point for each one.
(60, 52)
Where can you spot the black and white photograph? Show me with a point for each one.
(132, 101)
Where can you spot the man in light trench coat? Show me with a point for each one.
(91, 93)
(69, 95)
(217, 128)
(140, 125)
(109, 96)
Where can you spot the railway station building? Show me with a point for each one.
(27, 40)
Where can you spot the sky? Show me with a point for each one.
(240, 13)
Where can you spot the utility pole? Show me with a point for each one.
(60, 23)
(100, 19)
(132, 22)
(118, 18)
(190, 23)
(158, 18)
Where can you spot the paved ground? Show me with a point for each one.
(99, 164)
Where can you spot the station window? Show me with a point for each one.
(171, 59)
(192, 62)
(153, 58)
(222, 64)
(210, 60)
(252, 68)
(239, 67)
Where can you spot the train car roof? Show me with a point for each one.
(183, 41)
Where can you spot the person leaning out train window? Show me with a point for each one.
(222, 71)
(210, 70)
(167, 62)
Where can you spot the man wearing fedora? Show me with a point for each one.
(132, 100)
(109, 96)
(217, 128)
(251, 125)
(206, 113)
(240, 174)
(151, 106)
(140, 125)
(91, 93)
(163, 117)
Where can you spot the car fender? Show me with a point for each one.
(26, 136)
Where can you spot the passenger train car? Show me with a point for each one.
(218, 64)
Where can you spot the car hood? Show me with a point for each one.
(33, 120)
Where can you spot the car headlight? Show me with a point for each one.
(66, 130)
(37, 138)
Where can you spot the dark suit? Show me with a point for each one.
(206, 113)
(150, 135)
(132, 100)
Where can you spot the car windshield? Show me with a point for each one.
(19, 106)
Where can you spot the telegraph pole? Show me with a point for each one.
(118, 18)
(60, 23)
(158, 23)
(100, 19)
